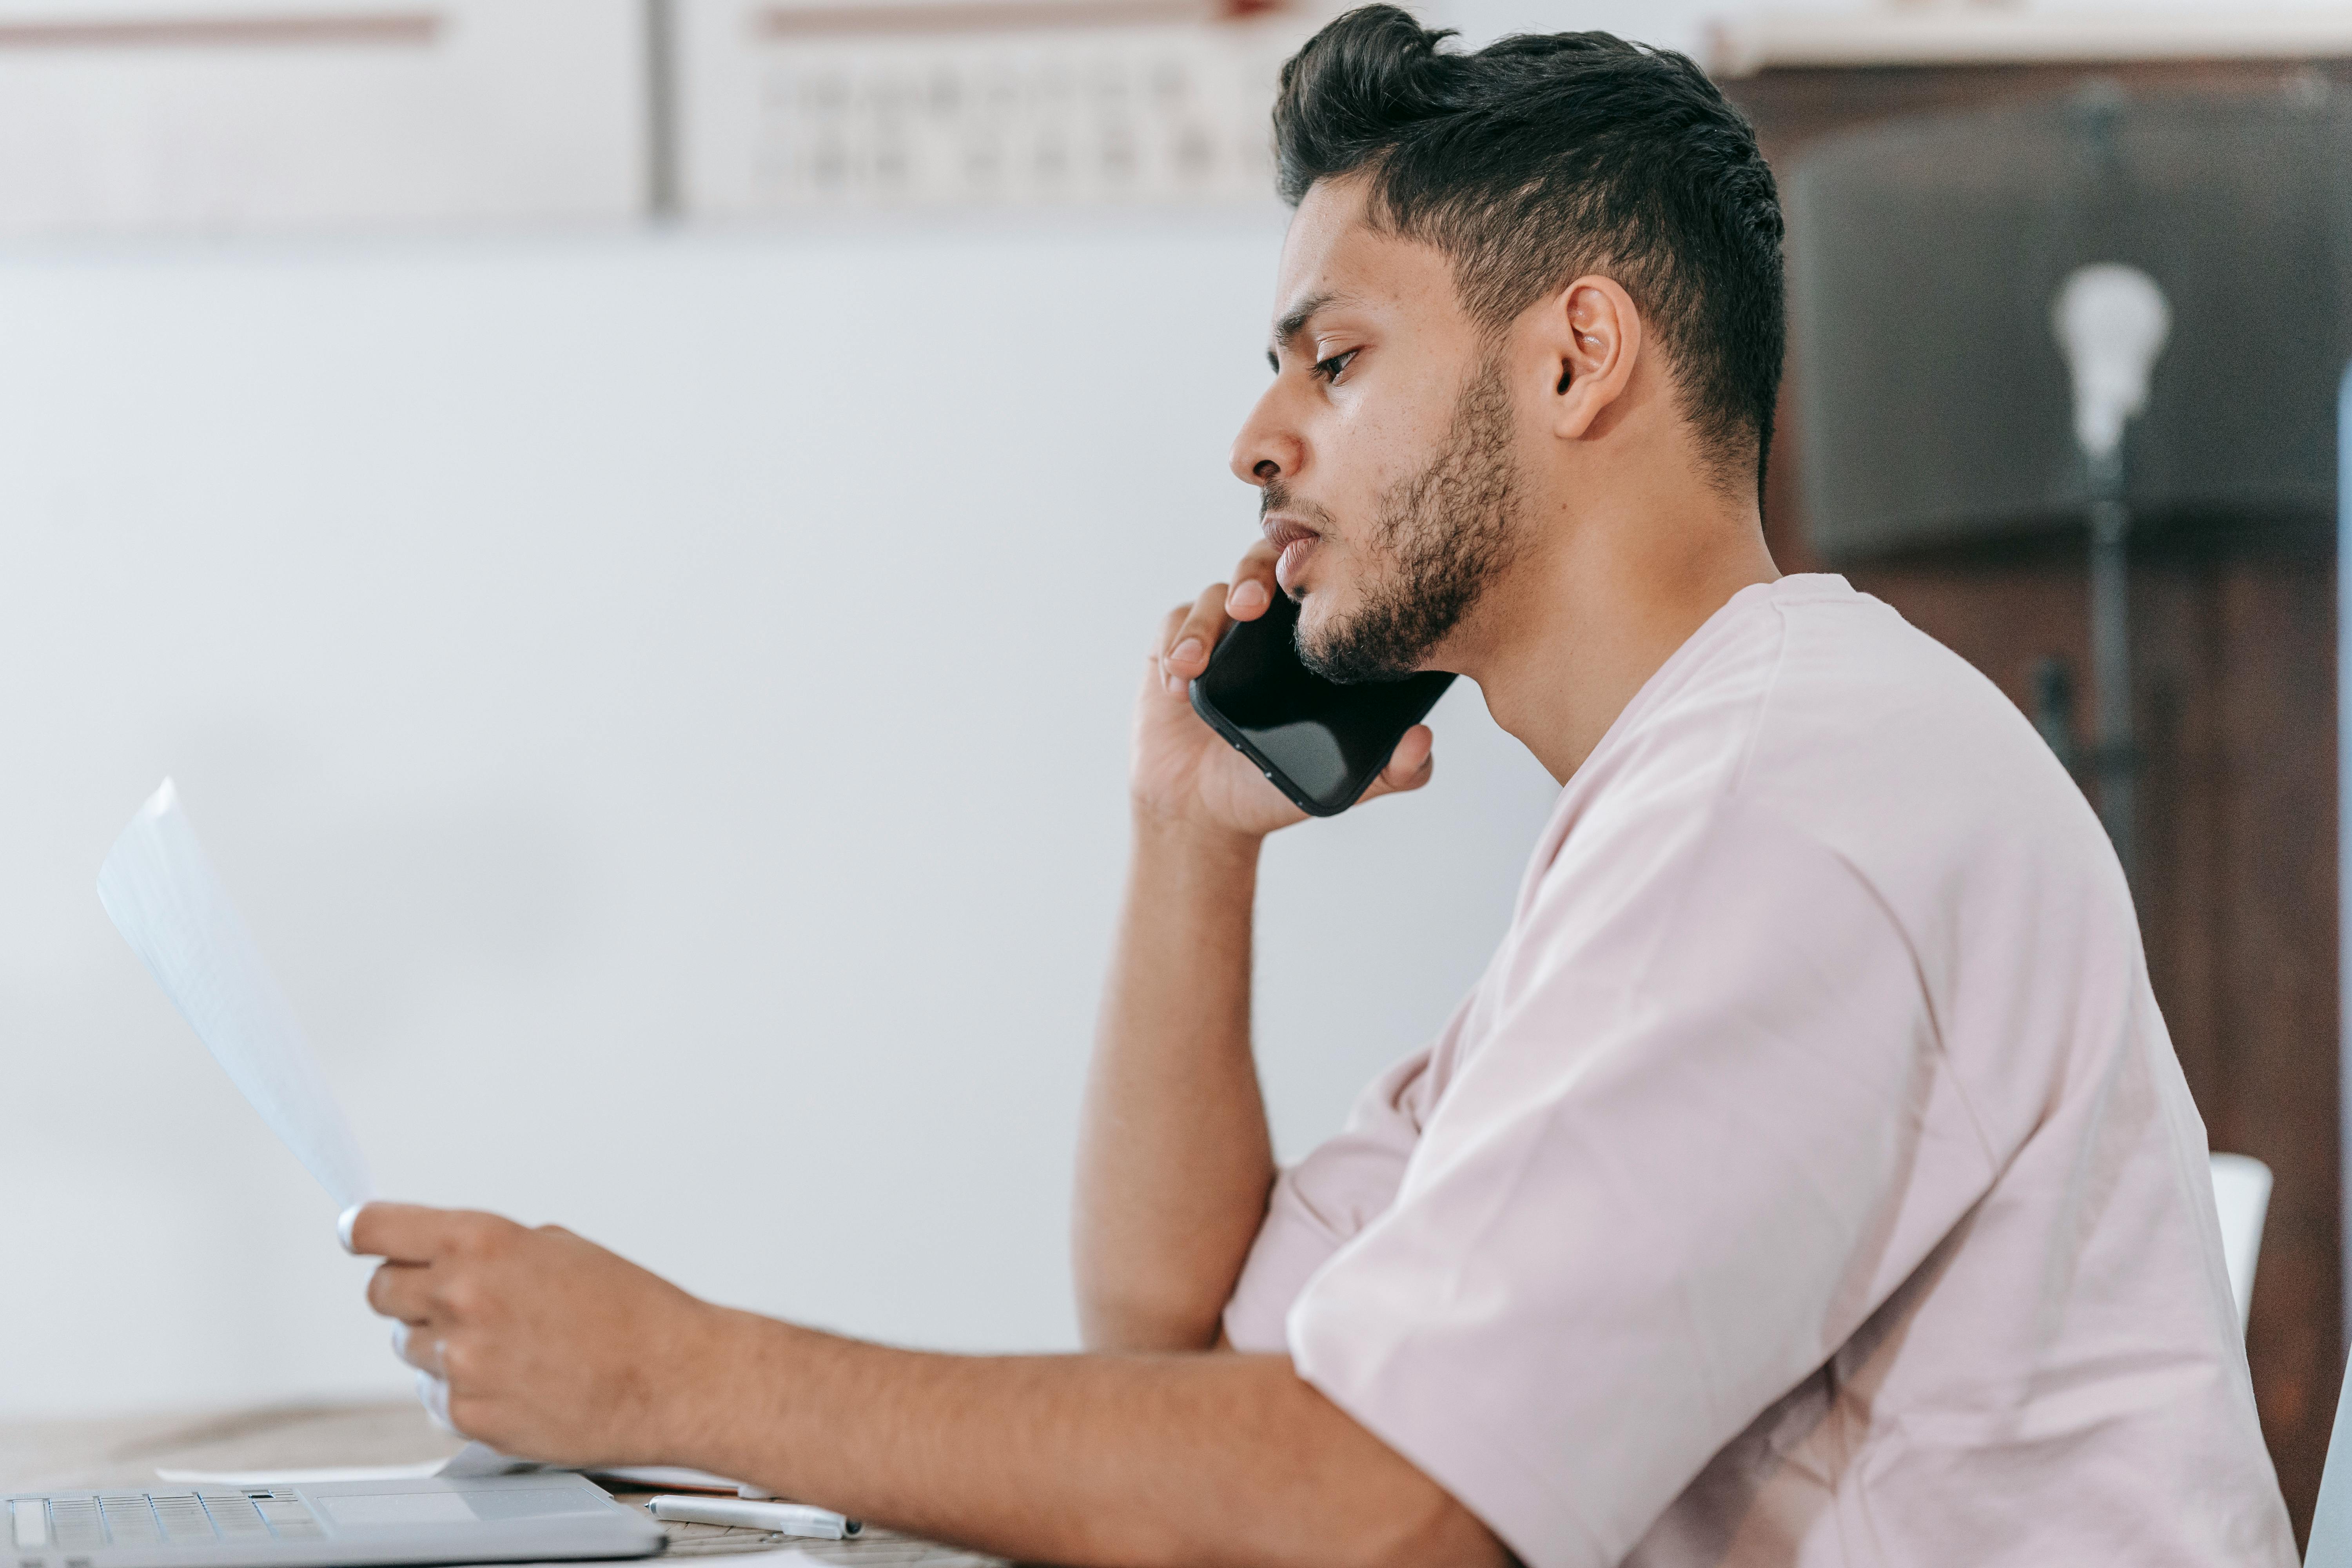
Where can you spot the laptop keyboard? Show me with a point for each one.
(86, 1521)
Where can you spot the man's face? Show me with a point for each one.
(1384, 450)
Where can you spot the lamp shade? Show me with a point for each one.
(1934, 406)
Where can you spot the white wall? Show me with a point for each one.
(661, 704)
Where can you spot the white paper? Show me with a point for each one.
(674, 1478)
(300, 1477)
(163, 896)
(472, 1459)
(786, 1557)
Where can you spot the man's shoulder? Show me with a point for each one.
(1888, 749)
(1820, 717)
(1864, 713)
(1809, 690)
(1845, 662)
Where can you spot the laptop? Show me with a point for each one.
(542, 1516)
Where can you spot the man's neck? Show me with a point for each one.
(1565, 638)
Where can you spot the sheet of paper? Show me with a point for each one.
(786, 1557)
(673, 1478)
(163, 896)
(472, 1459)
(300, 1477)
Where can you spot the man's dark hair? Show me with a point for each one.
(1540, 158)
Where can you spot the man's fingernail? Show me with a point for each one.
(1185, 652)
(1249, 595)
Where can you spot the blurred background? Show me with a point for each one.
(633, 525)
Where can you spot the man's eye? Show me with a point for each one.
(1330, 369)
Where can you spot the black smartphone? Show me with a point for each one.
(1322, 743)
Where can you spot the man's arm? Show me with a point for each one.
(1107, 1460)
(557, 1349)
(1174, 1158)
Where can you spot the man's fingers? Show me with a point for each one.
(401, 1291)
(419, 1347)
(406, 1233)
(434, 1395)
(1191, 632)
(1410, 766)
(411, 1232)
(1253, 587)
(1194, 637)
(1410, 763)
(1165, 637)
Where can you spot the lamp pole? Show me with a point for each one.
(2114, 758)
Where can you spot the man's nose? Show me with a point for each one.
(1267, 449)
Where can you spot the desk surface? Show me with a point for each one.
(53, 1455)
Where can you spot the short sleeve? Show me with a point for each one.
(1708, 1132)
(1323, 1201)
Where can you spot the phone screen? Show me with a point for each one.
(1322, 743)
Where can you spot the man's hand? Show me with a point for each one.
(552, 1348)
(1185, 774)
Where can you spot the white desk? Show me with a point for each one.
(48, 1456)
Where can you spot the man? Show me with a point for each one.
(1810, 1180)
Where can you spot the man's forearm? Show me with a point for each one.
(1174, 1158)
(1103, 1460)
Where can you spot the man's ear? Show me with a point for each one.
(1593, 336)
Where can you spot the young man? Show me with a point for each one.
(1810, 1180)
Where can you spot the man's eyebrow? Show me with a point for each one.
(1290, 326)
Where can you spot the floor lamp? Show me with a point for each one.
(2112, 322)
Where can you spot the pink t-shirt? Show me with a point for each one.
(1810, 1179)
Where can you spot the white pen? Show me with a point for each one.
(783, 1518)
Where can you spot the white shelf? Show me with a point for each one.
(1743, 46)
(794, 108)
(270, 116)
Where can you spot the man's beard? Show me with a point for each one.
(1444, 532)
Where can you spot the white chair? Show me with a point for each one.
(2331, 1516)
(2242, 1193)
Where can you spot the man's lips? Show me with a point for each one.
(1292, 539)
